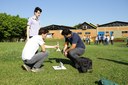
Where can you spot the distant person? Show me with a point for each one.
(111, 39)
(33, 24)
(32, 60)
(104, 41)
(96, 40)
(77, 47)
(84, 37)
(88, 40)
(99, 38)
(107, 39)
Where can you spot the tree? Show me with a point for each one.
(77, 26)
(12, 27)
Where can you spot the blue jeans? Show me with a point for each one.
(36, 60)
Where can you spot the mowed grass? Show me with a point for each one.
(109, 62)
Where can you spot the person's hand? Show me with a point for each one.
(65, 54)
(56, 46)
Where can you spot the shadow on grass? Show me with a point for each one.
(58, 60)
(67, 61)
(119, 62)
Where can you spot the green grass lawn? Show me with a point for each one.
(110, 62)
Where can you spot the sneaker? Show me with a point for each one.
(35, 69)
(27, 68)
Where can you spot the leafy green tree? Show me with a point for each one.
(12, 27)
(77, 26)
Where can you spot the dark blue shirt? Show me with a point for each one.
(75, 39)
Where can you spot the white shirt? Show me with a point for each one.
(112, 37)
(108, 38)
(96, 38)
(34, 25)
(99, 37)
(31, 47)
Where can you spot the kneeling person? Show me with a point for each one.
(31, 58)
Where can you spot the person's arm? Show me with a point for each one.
(43, 48)
(48, 46)
(27, 32)
(72, 47)
(65, 46)
(66, 49)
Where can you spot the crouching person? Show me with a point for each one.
(32, 59)
(76, 49)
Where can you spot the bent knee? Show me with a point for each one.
(71, 53)
(46, 53)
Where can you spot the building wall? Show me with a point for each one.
(57, 33)
(122, 31)
(89, 32)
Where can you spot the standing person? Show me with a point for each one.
(77, 47)
(99, 38)
(104, 41)
(84, 38)
(107, 39)
(96, 40)
(87, 39)
(33, 24)
(32, 60)
(111, 39)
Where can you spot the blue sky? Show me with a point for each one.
(69, 12)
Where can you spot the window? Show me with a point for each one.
(124, 32)
(87, 33)
(79, 32)
(107, 32)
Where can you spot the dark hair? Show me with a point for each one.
(42, 31)
(66, 31)
(38, 9)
